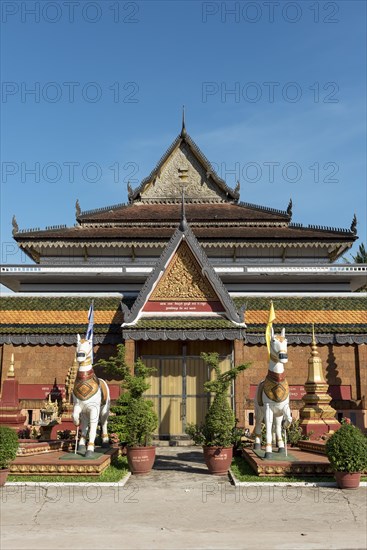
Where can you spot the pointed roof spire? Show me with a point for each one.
(289, 208)
(77, 208)
(15, 225)
(353, 226)
(183, 129)
(183, 221)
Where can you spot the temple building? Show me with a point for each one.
(186, 267)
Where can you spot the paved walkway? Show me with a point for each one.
(180, 506)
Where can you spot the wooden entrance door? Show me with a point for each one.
(177, 391)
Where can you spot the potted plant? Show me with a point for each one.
(8, 451)
(346, 450)
(217, 434)
(134, 420)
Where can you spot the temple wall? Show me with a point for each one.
(43, 364)
(342, 365)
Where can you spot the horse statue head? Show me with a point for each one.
(278, 347)
(84, 350)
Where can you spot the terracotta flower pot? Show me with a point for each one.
(4, 472)
(346, 480)
(140, 459)
(218, 459)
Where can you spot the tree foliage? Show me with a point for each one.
(219, 427)
(134, 419)
(361, 256)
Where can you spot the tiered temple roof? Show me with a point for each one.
(213, 210)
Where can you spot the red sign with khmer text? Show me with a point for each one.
(183, 307)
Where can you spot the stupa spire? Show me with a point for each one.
(317, 416)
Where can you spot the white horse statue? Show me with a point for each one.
(272, 397)
(91, 398)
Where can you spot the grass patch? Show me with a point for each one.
(243, 472)
(115, 472)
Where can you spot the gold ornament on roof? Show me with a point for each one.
(183, 280)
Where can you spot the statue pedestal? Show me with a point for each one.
(316, 428)
(49, 431)
(10, 411)
(65, 424)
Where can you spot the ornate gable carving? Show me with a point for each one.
(168, 184)
(183, 280)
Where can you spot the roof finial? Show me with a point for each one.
(353, 226)
(15, 225)
(237, 188)
(77, 209)
(183, 222)
(183, 129)
(130, 191)
(289, 208)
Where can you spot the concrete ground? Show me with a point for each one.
(180, 506)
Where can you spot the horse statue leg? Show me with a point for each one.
(259, 416)
(93, 411)
(278, 431)
(77, 419)
(269, 430)
(274, 431)
(105, 436)
(103, 416)
(83, 432)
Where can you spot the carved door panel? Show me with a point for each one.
(177, 391)
(196, 399)
(171, 397)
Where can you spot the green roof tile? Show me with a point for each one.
(303, 303)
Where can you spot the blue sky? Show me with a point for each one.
(274, 94)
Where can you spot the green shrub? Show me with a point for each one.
(295, 434)
(8, 446)
(346, 449)
(116, 366)
(116, 420)
(133, 419)
(218, 429)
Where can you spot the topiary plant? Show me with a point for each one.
(8, 446)
(117, 367)
(346, 449)
(218, 428)
(133, 420)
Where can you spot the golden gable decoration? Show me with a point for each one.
(183, 280)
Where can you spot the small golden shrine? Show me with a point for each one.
(317, 417)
